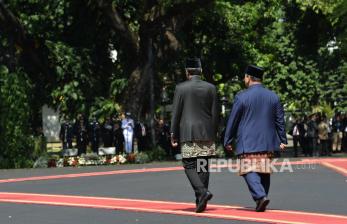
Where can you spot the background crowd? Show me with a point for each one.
(319, 136)
(119, 131)
(312, 135)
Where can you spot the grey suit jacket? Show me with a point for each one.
(195, 112)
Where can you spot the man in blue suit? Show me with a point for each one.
(256, 123)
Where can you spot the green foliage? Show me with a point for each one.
(324, 108)
(228, 36)
(142, 157)
(220, 152)
(325, 6)
(41, 162)
(73, 79)
(157, 154)
(301, 43)
(274, 35)
(40, 146)
(45, 19)
(15, 140)
(340, 22)
(104, 107)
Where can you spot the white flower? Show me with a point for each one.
(82, 161)
(122, 159)
(102, 160)
(90, 162)
(71, 161)
(60, 162)
(113, 160)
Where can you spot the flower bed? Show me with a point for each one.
(92, 159)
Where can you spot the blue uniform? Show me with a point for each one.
(256, 121)
(257, 125)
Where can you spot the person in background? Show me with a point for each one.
(94, 134)
(344, 137)
(128, 132)
(140, 132)
(118, 138)
(337, 128)
(303, 135)
(163, 135)
(296, 132)
(66, 133)
(81, 133)
(107, 132)
(323, 136)
(312, 135)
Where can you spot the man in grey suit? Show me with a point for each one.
(194, 124)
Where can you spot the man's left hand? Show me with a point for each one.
(283, 146)
(174, 142)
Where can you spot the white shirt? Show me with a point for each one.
(296, 130)
(128, 124)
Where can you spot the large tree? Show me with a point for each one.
(59, 52)
(146, 35)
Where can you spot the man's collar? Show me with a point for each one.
(195, 77)
(256, 85)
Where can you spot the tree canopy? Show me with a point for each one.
(98, 56)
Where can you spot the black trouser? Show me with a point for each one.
(141, 144)
(325, 150)
(304, 145)
(344, 142)
(296, 140)
(95, 146)
(82, 147)
(197, 171)
(67, 144)
(312, 146)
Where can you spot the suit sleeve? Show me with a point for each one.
(233, 122)
(176, 113)
(215, 111)
(279, 122)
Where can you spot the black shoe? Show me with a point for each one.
(197, 202)
(203, 201)
(261, 204)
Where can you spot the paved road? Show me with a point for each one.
(310, 188)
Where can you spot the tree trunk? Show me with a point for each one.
(138, 46)
(139, 84)
(152, 93)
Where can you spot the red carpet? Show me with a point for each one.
(76, 175)
(337, 164)
(213, 211)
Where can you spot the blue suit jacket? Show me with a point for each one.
(256, 121)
